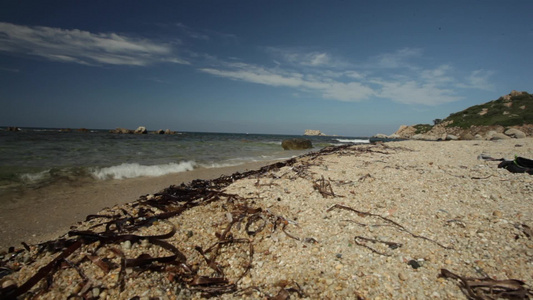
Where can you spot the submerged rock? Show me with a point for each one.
(296, 144)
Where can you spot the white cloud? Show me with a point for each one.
(83, 47)
(299, 57)
(479, 79)
(414, 92)
(326, 86)
(408, 83)
(397, 59)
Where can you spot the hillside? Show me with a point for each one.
(483, 121)
(509, 110)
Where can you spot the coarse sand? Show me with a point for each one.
(400, 220)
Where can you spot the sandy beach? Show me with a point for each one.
(45, 213)
(400, 220)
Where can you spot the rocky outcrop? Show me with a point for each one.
(166, 131)
(121, 130)
(381, 136)
(515, 133)
(141, 130)
(512, 94)
(312, 132)
(384, 136)
(296, 144)
(442, 132)
(405, 131)
(13, 128)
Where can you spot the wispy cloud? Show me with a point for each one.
(407, 83)
(83, 47)
(479, 79)
(192, 33)
(9, 70)
(324, 84)
(397, 59)
(299, 57)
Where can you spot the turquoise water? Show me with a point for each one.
(32, 158)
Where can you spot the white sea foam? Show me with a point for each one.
(125, 170)
(35, 177)
(357, 141)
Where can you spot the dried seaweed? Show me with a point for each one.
(391, 245)
(488, 288)
(111, 229)
(324, 188)
(393, 223)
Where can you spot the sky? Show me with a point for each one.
(352, 68)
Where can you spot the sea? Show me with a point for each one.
(36, 157)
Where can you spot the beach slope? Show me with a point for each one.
(402, 220)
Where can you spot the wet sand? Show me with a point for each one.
(46, 213)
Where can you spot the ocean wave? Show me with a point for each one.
(356, 141)
(31, 178)
(132, 170)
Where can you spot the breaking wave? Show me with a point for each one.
(132, 170)
(355, 141)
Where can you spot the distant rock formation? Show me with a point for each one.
(121, 130)
(312, 132)
(296, 144)
(141, 130)
(13, 128)
(167, 131)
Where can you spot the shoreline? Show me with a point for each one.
(403, 220)
(43, 214)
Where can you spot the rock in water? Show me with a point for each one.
(121, 130)
(314, 132)
(141, 130)
(296, 144)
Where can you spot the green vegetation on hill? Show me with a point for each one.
(422, 128)
(506, 111)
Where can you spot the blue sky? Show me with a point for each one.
(352, 68)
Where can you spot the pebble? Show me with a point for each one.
(497, 214)
(8, 283)
(246, 280)
(414, 264)
(145, 243)
(338, 267)
(96, 292)
(126, 245)
(103, 295)
(402, 276)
